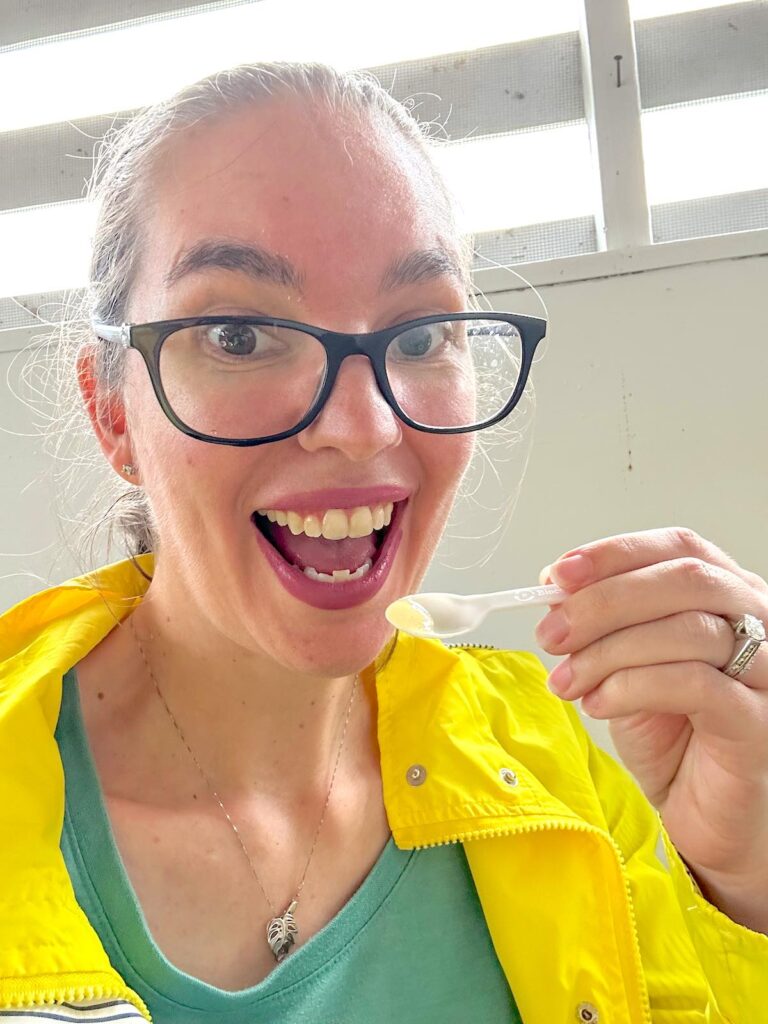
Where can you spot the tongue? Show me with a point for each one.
(323, 555)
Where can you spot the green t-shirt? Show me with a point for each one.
(411, 945)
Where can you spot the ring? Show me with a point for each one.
(750, 633)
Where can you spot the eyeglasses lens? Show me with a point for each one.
(240, 381)
(455, 373)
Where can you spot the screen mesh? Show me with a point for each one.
(510, 90)
(704, 89)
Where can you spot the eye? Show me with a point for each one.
(233, 339)
(421, 341)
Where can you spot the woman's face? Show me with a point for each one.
(340, 201)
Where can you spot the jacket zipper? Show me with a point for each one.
(29, 996)
(474, 647)
(491, 833)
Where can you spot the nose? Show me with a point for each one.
(356, 419)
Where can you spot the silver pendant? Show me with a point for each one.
(282, 933)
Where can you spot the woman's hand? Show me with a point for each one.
(646, 627)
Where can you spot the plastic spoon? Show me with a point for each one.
(437, 616)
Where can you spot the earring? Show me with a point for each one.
(129, 469)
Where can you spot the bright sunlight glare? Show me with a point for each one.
(521, 178)
(122, 68)
(45, 248)
(499, 182)
(705, 149)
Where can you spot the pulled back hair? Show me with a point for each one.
(121, 180)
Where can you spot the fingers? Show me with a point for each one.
(715, 704)
(622, 553)
(646, 595)
(687, 636)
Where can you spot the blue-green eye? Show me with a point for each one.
(421, 341)
(416, 342)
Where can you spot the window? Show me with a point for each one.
(546, 156)
(703, 73)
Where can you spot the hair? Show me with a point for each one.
(118, 186)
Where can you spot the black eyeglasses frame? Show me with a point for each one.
(148, 339)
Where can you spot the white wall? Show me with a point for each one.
(651, 411)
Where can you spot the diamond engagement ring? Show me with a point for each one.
(750, 633)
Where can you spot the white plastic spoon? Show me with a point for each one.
(438, 616)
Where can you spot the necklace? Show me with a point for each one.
(282, 930)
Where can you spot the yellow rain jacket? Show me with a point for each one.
(588, 922)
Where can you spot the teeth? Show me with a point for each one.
(361, 522)
(315, 575)
(295, 523)
(336, 523)
(312, 526)
(339, 575)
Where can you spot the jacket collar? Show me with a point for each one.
(491, 749)
(455, 748)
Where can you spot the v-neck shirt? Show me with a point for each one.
(410, 945)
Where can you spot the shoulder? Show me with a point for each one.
(498, 692)
(44, 635)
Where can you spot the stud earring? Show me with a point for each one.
(129, 469)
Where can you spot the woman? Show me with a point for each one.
(274, 809)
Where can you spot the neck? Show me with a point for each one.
(248, 720)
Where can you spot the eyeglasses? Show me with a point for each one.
(247, 380)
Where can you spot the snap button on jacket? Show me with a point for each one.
(592, 913)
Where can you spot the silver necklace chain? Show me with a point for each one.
(282, 930)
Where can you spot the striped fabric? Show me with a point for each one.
(94, 1011)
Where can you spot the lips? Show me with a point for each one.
(336, 596)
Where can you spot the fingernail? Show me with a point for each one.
(552, 629)
(560, 679)
(572, 570)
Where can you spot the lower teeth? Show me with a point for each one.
(339, 575)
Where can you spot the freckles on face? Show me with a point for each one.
(341, 221)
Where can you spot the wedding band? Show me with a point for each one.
(750, 633)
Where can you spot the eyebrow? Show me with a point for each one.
(263, 265)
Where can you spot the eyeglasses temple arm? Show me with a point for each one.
(108, 332)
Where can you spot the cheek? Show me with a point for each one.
(445, 460)
(152, 433)
(458, 456)
(170, 463)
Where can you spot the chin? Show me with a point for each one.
(341, 645)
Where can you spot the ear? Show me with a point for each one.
(106, 412)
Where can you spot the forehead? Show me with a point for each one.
(339, 196)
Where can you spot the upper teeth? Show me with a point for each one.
(336, 523)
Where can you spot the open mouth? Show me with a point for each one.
(321, 558)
